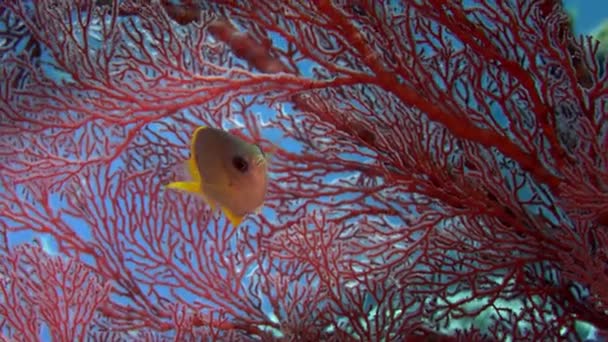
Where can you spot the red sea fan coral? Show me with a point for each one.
(441, 171)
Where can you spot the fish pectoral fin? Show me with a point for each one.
(232, 217)
(191, 187)
(209, 201)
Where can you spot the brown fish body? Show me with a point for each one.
(227, 172)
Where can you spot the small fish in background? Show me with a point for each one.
(227, 172)
(183, 13)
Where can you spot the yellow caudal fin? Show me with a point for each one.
(232, 217)
(190, 165)
(191, 187)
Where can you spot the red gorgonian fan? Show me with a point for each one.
(442, 171)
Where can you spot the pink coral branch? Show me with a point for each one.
(436, 164)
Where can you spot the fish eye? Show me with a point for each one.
(240, 163)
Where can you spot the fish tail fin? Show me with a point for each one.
(191, 187)
(232, 217)
(194, 184)
(190, 166)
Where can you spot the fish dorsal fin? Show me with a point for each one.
(234, 219)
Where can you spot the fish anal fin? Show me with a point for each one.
(190, 187)
(232, 217)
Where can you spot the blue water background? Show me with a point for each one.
(588, 14)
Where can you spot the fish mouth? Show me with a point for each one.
(259, 160)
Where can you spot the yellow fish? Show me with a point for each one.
(226, 171)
